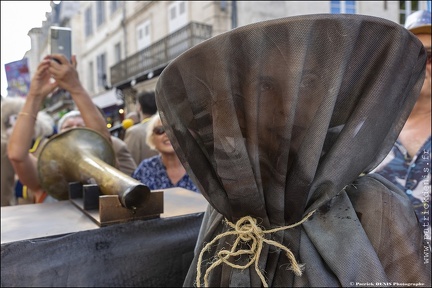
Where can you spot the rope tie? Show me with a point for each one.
(247, 231)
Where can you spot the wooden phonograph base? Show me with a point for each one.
(106, 210)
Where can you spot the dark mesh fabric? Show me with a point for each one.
(275, 119)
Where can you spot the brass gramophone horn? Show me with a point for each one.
(82, 154)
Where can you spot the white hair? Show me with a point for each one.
(44, 125)
(68, 115)
(149, 132)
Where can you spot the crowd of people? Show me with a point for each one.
(327, 147)
(26, 129)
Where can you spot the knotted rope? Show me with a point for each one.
(247, 230)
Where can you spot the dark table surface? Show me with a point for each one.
(49, 219)
(56, 245)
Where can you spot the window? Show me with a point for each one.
(182, 8)
(406, 8)
(338, 7)
(88, 22)
(177, 15)
(350, 7)
(117, 52)
(143, 35)
(114, 6)
(223, 5)
(100, 12)
(173, 13)
(101, 70)
(91, 77)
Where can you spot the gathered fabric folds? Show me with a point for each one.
(277, 120)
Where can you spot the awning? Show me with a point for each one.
(108, 99)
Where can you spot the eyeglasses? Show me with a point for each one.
(158, 130)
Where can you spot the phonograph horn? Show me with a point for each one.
(83, 155)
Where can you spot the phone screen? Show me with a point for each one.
(61, 41)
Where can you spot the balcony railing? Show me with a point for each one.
(159, 54)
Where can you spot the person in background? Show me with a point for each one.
(125, 162)
(134, 117)
(44, 128)
(408, 165)
(119, 131)
(164, 170)
(130, 120)
(66, 77)
(135, 136)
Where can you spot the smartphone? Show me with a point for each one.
(61, 41)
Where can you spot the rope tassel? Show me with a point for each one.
(247, 231)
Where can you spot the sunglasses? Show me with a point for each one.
(158, 130)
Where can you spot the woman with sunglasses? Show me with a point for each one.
(165, 169)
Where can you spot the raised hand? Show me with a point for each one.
(65, 73)
(41, 84)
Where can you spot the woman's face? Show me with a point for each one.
(160, 139)
(72, 122)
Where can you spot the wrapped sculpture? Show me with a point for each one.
(278, 123)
